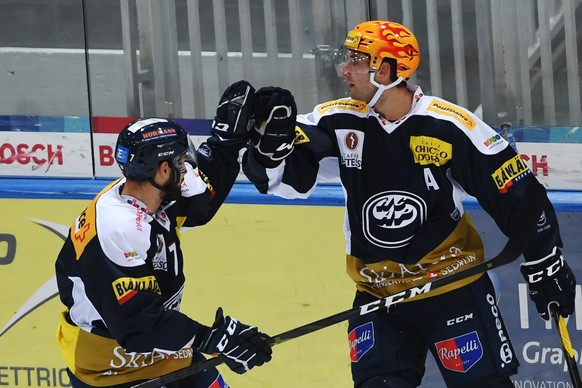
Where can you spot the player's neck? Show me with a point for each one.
(394, 103)
(144, 192)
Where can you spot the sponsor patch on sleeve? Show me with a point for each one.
(126, 288)
(511, 171)
(461, 353)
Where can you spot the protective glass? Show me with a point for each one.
(188, 155)
(354, 61)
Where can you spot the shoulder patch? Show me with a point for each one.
(454, 111)
(84, 228)
(300, 136)
(343, 104)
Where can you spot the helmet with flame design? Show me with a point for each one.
(384, 39)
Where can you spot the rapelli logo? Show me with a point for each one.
(361, 340)
(430, 150)
(512, 170)
(126, 288)
(459, 354)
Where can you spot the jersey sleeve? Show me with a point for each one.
(206, 186)
(489, 169)
(297, 175)
(130, 301)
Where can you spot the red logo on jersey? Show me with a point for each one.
(461, 353)
(361, 340)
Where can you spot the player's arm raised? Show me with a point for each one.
(273, 135)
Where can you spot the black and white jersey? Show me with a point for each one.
(404, 183)
(120, 275)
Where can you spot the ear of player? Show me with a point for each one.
(231, 123)
(273, 134)
(239, 346)
(550, 281)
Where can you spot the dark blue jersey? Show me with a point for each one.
(404, 183)
(120, 274)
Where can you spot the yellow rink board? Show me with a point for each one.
(277, 267)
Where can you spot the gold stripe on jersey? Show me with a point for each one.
(463, 248)
(102, 362)
(84, 229)
(345, 104)
(454, 111)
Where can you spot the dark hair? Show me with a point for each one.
(393, 72)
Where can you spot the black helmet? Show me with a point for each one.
(144, 143)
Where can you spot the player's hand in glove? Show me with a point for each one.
(273, 135)
(550, 281)
(240, 346)
(231, 123)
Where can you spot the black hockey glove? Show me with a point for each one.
(231, 123)
(274, 111)
(241, 347)
(550, 281)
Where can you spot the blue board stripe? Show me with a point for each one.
(242, 193)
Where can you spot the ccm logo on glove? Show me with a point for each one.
(549, 271)
(230, 330)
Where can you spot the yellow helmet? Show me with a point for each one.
(385, 39)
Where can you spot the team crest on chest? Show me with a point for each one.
(391, 218)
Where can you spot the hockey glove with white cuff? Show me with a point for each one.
(240, 346)
(550, 281)
(273, 135)
(231, 123)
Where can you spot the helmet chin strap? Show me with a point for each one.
(381, 88)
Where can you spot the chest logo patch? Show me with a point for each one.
(160, 261)
(350, 143)
(430, 150)
(391, 218)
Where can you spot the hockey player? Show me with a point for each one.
(405, 161)
(120, 271)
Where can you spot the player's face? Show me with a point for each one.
(355, 69)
